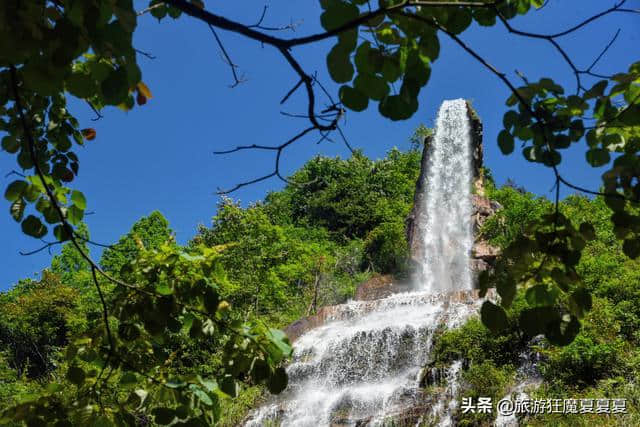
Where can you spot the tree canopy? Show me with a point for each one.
(51, 51)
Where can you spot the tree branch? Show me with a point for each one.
(278, 149)
(231, 64)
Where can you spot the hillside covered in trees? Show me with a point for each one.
(283, 258)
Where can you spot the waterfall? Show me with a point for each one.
(448, 232)
(363, 366)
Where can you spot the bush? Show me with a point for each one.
(598, 352)
(484, 380)
(386, 247)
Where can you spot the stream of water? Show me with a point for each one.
(362, 367)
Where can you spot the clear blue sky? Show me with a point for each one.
(160, 156)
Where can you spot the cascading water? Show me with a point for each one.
(362, 367)
(448, 233)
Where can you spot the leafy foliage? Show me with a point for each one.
(601, 361)
(50, 51)
(351, 197)
(170, 315)
(37, 319)
(406, 45)
(147, 233)
(133, 350)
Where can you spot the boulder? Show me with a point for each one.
(380, 286)
(300, 326)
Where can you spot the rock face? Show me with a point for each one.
(483, 254)
(381, 286)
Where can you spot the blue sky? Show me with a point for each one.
(160, 156)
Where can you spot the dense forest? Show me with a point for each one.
(283, 258)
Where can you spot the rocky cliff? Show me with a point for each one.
(483, 254)
(482, 257)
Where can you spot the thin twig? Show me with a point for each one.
(278, 149)
(291, 92)
(237, 80)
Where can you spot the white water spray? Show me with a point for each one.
(363, 366)
(448, 232)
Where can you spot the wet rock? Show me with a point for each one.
(379, 287)
(299, 327)
(484, 251)
(358, 308)
(478, 150)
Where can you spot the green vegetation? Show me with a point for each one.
(603, 361)
(278, 260)
(281, 259)
(53, 51)
(268, 264)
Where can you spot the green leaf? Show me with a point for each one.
(391, 69)
(164, 289)
(33, 227)
(211, 300)
(61, 233)
(128, 331)
(79, 200)
(592, 138)
(280, 339)
(210, 385)
(430, 46)
(75, 375)
(493, 317)
(10, 144)
(535, 321)
(15, 190)
(349, 39)
(74, 215)
(458, 20)
(561, 332)
(551, 157)
(580, 302)
(507, 290)
(597, 157)
(278, 381)
(174, 12)
(260, 370)
(505, 142)
(363, 59)
(631, 248)
(484, 16)
(551, 86)
(17, 209)
(540, 295)
(228, 386)
(388, 34)
(115, 88)
(353, 98)
(374, 87)
(81, 85)
(339, 64)
(338, 14)
(396, 107)
(163, 416)
(203, 397)
(158, 11)
(587, 231)
(51, 214)
(596, 90)
(128, 378)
